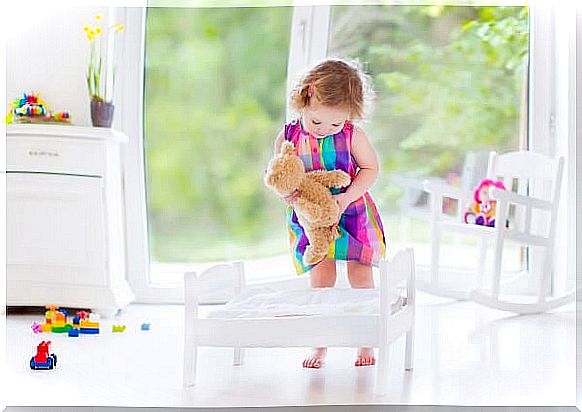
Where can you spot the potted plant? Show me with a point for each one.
(101, 71)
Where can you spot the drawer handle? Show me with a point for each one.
(43, 153)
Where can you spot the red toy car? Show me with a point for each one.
(42, 359)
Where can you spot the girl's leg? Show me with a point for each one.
(323, 275)
(360, 276)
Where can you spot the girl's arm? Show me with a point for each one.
(367, 161)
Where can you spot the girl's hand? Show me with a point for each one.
(343, 201)
(290, 198)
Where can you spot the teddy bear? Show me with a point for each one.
(316, 209)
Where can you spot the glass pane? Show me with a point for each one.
(450, 86)
(214, 102)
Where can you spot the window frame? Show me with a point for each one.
(308, 44)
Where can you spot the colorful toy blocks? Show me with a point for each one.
(89, 331)
(118, 328)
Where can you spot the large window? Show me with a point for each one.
(451, 85)
(214, 101)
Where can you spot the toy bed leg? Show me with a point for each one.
(382, 378)
(409, 349)
(190, 358)
(237, 358)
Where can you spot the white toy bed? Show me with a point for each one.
(327, 317)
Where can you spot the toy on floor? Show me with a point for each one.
(118, 328)
(145, 326)
(32, 109)
(481, 211)
(80, 315)
(43, 360)
(36, 327)
(82, 323)
(55, 320)
(90, 325)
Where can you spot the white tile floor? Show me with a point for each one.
(465, 355)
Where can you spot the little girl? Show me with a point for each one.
(327, 99)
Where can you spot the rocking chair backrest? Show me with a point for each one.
(534, 175)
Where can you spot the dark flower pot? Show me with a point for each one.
(101, 113)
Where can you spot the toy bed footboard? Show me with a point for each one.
(378, 329)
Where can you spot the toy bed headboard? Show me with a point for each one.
(217, 284)
(221, 282)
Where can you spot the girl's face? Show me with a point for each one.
(321, 121)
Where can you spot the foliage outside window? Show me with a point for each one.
(449, 80)
(214, 101)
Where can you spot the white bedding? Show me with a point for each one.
(265, 302)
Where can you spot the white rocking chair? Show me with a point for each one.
(536, 180)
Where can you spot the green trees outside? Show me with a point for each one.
(214, 101)
(448, 80)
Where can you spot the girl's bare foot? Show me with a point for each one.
(365, 357)
(316, 359)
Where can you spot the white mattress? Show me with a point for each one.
(265, 302)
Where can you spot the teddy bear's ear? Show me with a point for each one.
(287, 148)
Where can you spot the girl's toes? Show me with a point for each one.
(314, 363)
(365, 361)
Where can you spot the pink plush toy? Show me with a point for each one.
(482, 209)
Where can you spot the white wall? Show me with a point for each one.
(578, 221)
(47, 52)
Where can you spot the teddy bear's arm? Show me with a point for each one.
(330, 178)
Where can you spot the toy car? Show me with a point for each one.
(42, 359)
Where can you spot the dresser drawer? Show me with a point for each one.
(55, 155)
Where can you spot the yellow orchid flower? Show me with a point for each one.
(98, 31)
(86, 28)
(98, 17)
(119, 27)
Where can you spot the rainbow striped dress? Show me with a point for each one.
(362, 234)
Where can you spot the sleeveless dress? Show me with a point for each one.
(362, 233)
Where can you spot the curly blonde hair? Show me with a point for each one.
(334, 82)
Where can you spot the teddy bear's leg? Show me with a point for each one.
(309, 211)
(319, 241)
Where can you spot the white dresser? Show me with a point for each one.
(65, 235)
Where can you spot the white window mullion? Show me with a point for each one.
(309, 39)
(542, 100)
(541, 78)
(565, 145)
(131, 122)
